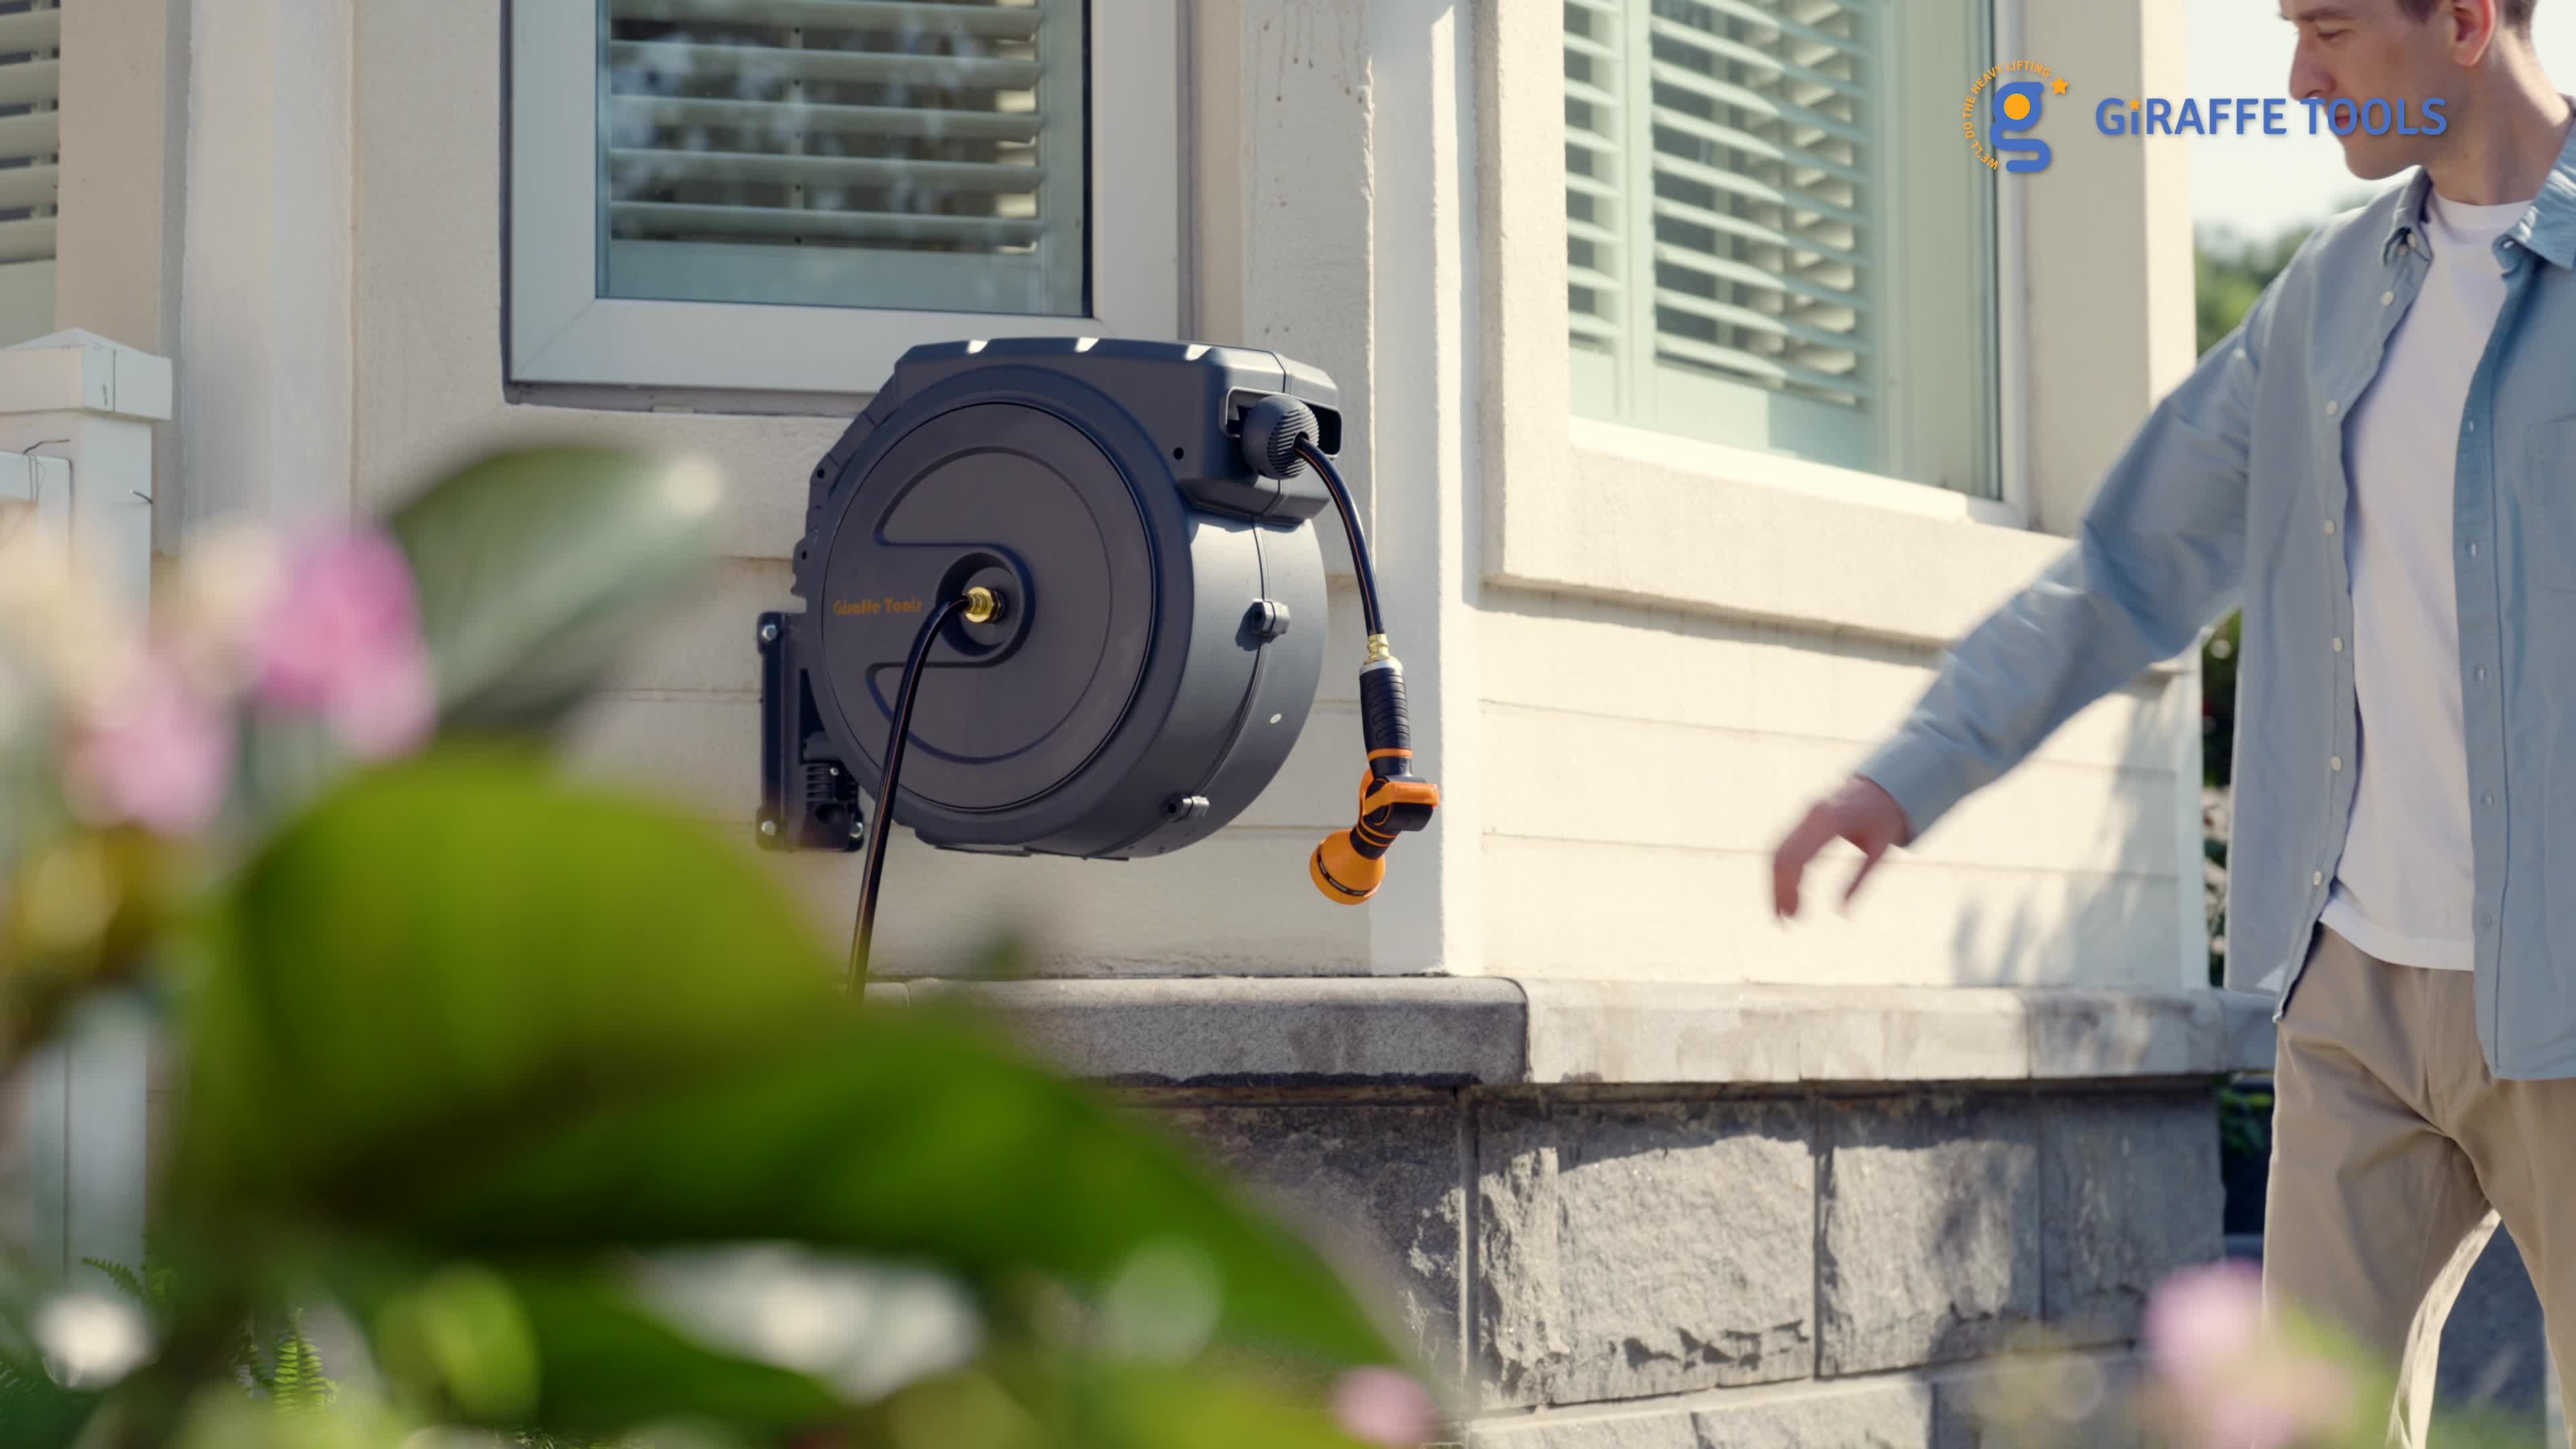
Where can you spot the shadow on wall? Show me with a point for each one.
(2069, 925)
(2103, 912)
(2064, 871)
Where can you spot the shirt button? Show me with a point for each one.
(2338, 646)
(2316, 877)
(2335, 763)
(2333, 407)
(2486, 799)
(2330, 529)
(2387, 297)
(2482, 671)
(2473, 550)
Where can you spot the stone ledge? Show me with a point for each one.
(1254, 1031)
(1494, 1031)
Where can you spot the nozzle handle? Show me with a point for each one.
(1349, 865)
(1384, 728)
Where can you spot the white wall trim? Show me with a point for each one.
(561, 332)
(267, 314)
(1424, 255)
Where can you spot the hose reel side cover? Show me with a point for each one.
(1214, 705)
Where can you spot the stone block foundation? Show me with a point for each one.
(1688, 1266)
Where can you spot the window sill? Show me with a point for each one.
(1680, 525)
(1773, 470)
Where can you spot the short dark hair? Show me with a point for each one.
(2516, 14)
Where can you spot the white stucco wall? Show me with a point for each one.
(1683, 647)
(1628, 672)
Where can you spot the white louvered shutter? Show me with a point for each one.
(926, 155)
(1722, 194)
(30, 129)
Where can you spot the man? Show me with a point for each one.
(2380, 465)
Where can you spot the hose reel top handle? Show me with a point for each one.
(1279, 436)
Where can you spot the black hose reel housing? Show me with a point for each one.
(1162, 621)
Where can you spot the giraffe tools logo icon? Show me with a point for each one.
(2010, 113)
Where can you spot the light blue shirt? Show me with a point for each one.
(2234, 493)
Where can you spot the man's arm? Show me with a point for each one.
(2159, 556)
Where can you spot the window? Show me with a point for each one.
(1776, 237)
(787, 194)
(30, 142)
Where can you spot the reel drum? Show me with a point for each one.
(1158, 627)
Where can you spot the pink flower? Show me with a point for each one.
(2233, 1382)
(158, 755)
(1382, 1406)
(341, 637)
(390, 708)
(2204, 1321)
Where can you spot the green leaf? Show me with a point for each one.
(515, 1015)
(441, 948)
(535, 568)
(126, 1281)
(606, 1366)
(299, 1382)
(1144, 1406)
(904, 1137)
(38, 1413)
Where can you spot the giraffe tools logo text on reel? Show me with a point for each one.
(2010, 114)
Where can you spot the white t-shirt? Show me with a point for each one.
(2404, 889)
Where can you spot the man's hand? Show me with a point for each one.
(1859, 812)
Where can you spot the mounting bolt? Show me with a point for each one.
(769, 827)
(768, 633)
(983, 606)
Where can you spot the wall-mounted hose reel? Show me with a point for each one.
(1068, 591)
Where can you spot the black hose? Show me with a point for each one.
(1332, 477)
(882, 822)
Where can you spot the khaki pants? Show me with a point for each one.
(2395, 1152)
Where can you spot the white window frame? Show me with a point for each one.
(2008, 400)
(2012, 308)
(561, 331)
(1837, 549)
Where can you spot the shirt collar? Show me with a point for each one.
(2548, 228)
(2407, 215)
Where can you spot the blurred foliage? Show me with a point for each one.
(2230, 272)
(515, 1109)
(2245, 1117)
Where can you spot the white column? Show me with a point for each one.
(1424, 252)
(265, 296)
(117, 240)
(85, 407)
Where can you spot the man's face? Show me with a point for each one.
(2366, 50)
